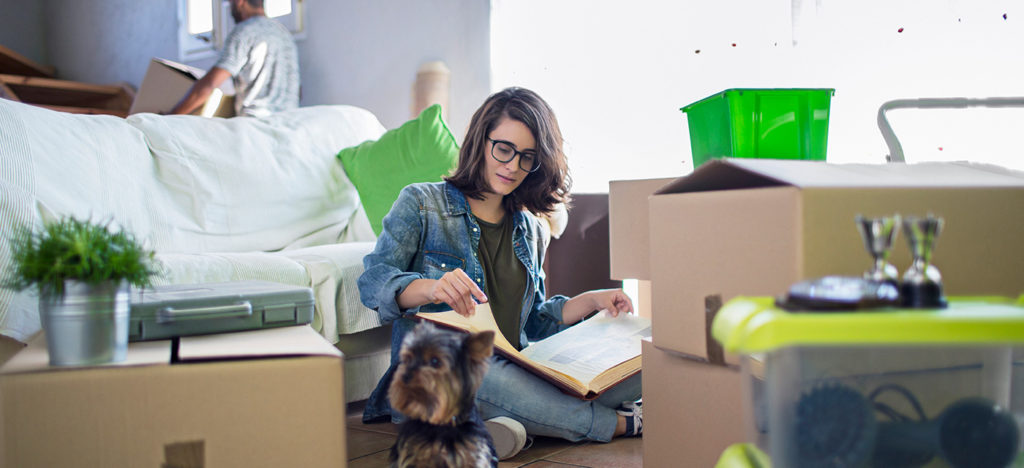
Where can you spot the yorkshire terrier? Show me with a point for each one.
(435, 387)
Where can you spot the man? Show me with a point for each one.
(261, 57)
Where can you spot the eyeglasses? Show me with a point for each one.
(503, 152)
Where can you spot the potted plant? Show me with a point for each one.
(82, 271)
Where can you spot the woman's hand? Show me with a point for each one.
(457, 289)
(615, 301)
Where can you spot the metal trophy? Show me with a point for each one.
(922, 284)
(878, 235)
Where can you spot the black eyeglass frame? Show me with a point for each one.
(515, 152)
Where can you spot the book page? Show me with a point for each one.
(482, 320)
(593, 346)
(614, 336)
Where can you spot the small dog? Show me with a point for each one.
(435, 386)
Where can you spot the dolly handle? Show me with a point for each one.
(170, 314)
(896, 150)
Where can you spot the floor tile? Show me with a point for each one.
(551, 464)
(354, 420)
(376, 460)
(622, 452)
(361, 443)
(541, 448)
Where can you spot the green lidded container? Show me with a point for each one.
(760, 123)
(881, 388)
(753, 324)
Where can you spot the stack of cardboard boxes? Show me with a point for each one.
(754, 227)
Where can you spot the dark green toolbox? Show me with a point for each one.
(169, 311)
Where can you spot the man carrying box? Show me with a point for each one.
(261, 57)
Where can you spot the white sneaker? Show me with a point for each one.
(633, 411)
(509, 436)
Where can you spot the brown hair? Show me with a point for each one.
(541, 190)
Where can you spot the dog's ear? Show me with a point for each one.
(479, 346)
(424, 326)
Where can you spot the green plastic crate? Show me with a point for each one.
(760, 123)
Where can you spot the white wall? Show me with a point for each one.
(21, 28)
(618, 72)
(366, 52)
(359, 52)
(109, 41)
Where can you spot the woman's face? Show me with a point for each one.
(503, 178)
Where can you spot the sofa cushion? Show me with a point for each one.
(334, 271)
(186, 185)
(421, 150)
(247, 184)
(54, 164)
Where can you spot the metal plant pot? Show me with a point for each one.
(88, 325)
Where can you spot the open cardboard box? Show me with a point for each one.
(166, 82)
(629, 237)
(628, 226)
(259, 398)
(754, 227)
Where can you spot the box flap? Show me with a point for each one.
(737, 173)
(189, 71)
(283, 341)
(35, 358)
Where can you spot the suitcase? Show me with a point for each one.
(162, 312)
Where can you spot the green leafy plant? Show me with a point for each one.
(70, 249)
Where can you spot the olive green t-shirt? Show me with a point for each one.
(504, 276)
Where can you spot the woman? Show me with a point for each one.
(475, 238)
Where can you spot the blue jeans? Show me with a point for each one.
(509, 390)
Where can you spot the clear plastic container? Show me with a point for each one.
(894, 388)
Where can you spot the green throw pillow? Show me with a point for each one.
(421, 150)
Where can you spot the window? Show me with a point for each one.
(206, 23)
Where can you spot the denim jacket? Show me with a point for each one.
(429, 231)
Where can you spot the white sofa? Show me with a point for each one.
(217, 199)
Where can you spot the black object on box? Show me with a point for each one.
(163, 312)
(839, 293)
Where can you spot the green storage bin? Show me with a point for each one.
(760, 123)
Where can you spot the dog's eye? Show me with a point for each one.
(435, 362)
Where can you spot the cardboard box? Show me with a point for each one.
(643, 299)
(754, 227)
(166, 82)
(259, 398)
(693, 410)
(628, 226)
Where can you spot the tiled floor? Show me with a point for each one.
(368, 446)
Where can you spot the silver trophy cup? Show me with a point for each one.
(921, 285)
(878, 235)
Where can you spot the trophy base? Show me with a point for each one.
(922, 296)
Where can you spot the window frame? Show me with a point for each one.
(205, 45)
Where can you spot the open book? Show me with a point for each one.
(583, 360)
